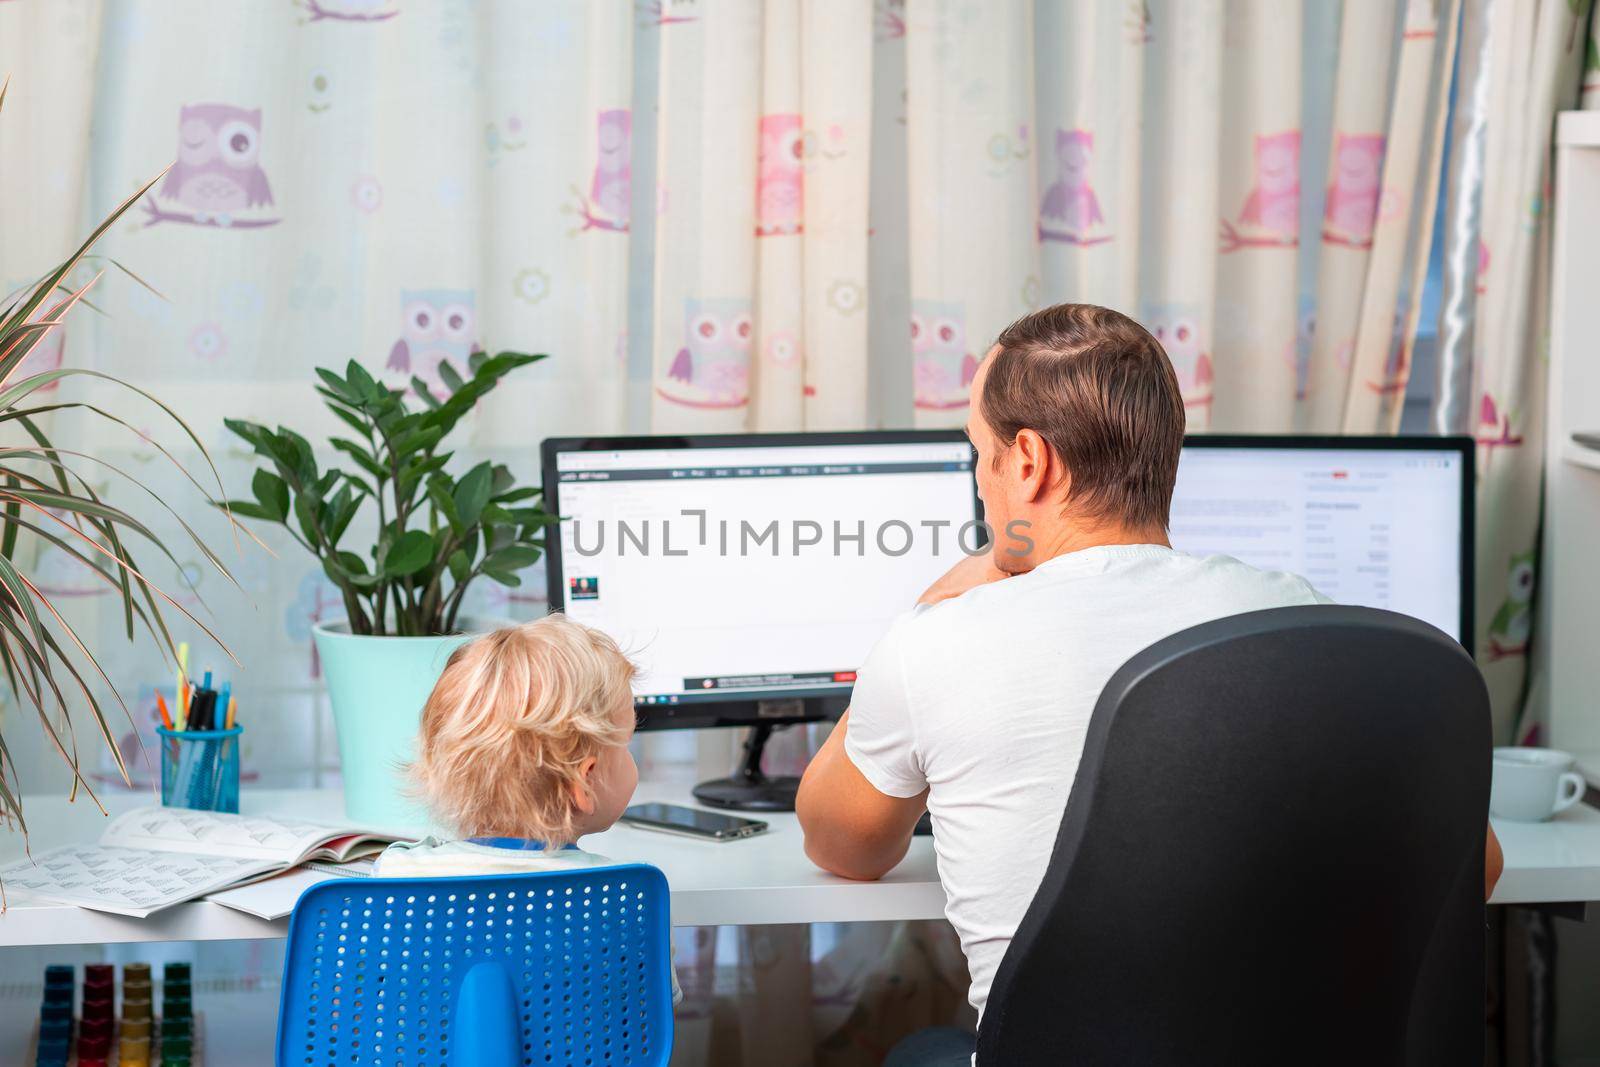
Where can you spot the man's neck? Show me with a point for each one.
(1075, 536)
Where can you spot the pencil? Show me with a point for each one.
(233, 710)
(161, 703)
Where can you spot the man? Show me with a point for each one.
(976, 704)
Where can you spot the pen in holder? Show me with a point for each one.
(200, 768)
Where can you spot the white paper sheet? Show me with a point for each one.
(127, 881)
(274, 898)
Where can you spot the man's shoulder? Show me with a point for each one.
(1227, 578)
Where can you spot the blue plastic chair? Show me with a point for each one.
(557, 967)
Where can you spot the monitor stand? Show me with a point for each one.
(749, 789)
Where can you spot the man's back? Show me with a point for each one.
(984, 700)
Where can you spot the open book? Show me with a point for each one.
(155, 857)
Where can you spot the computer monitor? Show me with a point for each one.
(749, 575)
(1383, 522)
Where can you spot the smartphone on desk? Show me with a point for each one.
(706, 825)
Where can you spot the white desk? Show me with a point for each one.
(762, 880)
(1550, 862)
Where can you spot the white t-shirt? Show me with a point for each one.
(984, 700)
(433, 858)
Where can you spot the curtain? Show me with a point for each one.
(1528, 61)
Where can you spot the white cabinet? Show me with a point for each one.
(1568, 645)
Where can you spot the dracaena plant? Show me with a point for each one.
(436, 532)
(47, 500)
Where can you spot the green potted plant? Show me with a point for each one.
(49, 666)
(436, 533)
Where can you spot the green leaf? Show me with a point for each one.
(362, 383)
(341, 575)
(338, 385)
(525, 493)
(449, 376)
(503, 481)
(254, 434)
(412, 552)
(472, 493)
(460, 565)
(439, 494)
(350, 419)
(363, 458)
(511, 558)
(504, 578)
(306, 508)
(341, 509)
(420, 387)
(273, 494)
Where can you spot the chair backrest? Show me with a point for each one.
(1272, 853)
(558, 967)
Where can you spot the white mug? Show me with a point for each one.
(1532, 784)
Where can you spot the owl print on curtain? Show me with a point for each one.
(1513, 622)
(217, 179)
(1352, 205)
(780, 190)
(611, 185)
(712, 369)
(436, 325)
(1070, 211)
(1177, 327)
(942, 366)
(1270, 217)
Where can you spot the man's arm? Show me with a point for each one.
(850, 827)
(1494, 862)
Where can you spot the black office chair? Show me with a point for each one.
(1272, 854)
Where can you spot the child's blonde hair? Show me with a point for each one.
(510, 722)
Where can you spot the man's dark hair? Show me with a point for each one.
(1101, 392)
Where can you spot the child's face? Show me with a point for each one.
(612, 780)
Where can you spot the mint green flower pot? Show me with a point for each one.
(377, 686)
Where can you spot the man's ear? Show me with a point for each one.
(1034, 465)
(582, 794)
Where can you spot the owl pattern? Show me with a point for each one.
(436, 324)
(1179, 329)
(712, 368)
(1352, 206)
(780, 189)
(1070, 210)
(217, 179)
(611, 186)
(942, 366)
(1494, 430)
(1270, 217)
(1513, 622)
(1397, 364)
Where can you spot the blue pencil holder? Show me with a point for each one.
(200, 769)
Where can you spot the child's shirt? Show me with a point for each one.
(433, 858)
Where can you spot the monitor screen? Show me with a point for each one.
(756, 570)
(1381, 527)
(763, 567)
